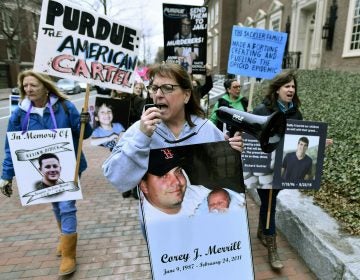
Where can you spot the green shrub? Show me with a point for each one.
(334, 97)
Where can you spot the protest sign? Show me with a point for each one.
(185, 35)
(198, 227)
(256, 52)
(301, 156)
(45, 168)
(296, 163)
(81, 45)
(111, 119)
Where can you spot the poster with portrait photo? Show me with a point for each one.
(111, 117)
(195, 219)
(185, 36)
(120, 108)
(299, 159)
(44, 163)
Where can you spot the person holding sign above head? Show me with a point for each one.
(232, 98)
(176, 119)
(43, 106)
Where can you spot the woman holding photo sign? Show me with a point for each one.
(43, 106)
(176, 119)
(281, 96)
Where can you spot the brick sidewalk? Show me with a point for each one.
(110, 244)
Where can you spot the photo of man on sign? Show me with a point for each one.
(40, 173)
(181, 207)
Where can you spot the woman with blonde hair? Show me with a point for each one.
(43, 106)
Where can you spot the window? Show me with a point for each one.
(275, 11)
(209, 53)
(216, 12)
(275, 21)
(212, 16)
(260, 18)
(215, 50)
(8, 20)
(352, 33)
(249, 22)
(261, 24)
(35, 25)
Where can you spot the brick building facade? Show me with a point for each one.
(305, 21)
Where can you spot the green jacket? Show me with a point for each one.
(239, 104)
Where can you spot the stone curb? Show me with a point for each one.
(329, 253)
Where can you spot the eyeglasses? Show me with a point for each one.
(165, 89)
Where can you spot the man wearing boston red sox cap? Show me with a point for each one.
(166, 187)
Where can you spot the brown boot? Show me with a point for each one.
(273, 256)
(68, 249)
(58, 248)
(260, 233)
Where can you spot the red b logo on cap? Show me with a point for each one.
(167, 153)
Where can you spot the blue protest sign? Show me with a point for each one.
(256, 52)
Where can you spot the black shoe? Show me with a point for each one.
(126, 194)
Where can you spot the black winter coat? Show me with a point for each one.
(264, 109)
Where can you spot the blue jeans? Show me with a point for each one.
(264, 197)
(65, 214)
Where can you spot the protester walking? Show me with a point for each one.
(176, 120)
(281, 96)
(43, 106)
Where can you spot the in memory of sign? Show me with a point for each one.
(44, 163)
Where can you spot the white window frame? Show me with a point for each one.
(261, 24)
(212, 16)
(249, 22)
(216, 12)
(215, 50)
(209, 52)
(260, 19)
(273, 18)
(7, 22)
(348, 32)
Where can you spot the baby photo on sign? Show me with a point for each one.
(45, 168)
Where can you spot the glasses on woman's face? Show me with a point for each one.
(165, 88)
